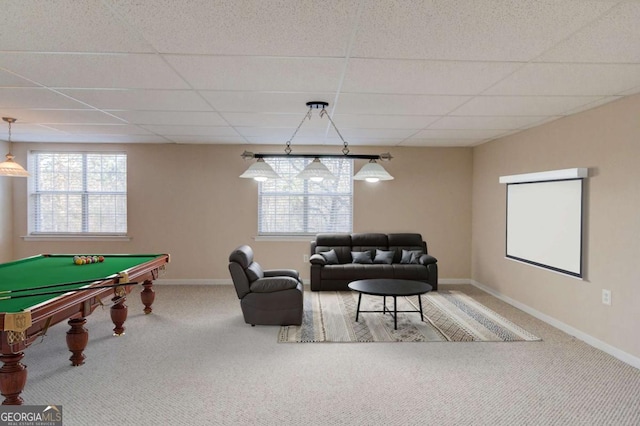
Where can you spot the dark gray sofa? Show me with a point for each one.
(327, 275)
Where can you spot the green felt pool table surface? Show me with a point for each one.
(53, 269)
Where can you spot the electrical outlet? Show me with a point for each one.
(606, 297)
(305, 258)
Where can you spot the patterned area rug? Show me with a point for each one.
(448, 316)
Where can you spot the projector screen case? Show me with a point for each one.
(545, 221)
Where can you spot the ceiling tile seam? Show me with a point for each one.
(569, 36)
(135, 29)
(203, 98)
(57, 92)
(345, 66)
(124, 21)
(523, 64)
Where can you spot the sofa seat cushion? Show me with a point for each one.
(273, 284)
(355, 271)
(410, 272)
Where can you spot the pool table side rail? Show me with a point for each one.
(78, 304)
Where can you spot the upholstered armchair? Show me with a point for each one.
(267, 297)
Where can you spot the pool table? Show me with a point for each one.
(27, 309)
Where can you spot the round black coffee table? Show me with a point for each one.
(390, 287)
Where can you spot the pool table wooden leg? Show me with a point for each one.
(13, 377)
(119, 313)
(77, 339)
(147, 296)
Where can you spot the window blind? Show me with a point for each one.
(291, 206)
(78, 192)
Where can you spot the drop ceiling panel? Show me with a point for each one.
(66, 26)
(93, 138)
(8, 79)
(275, 120)
(281, 134)
(264, 102)
(243, 27)
(458, 133)
(356, 103)
(382, 121)
(60, 116)
(146, 100)
(131, 71)
(454, 72)
(523, 105)
(107, 129)
(569, 79)
(481, 122)
(593, 104)
(259, 73)
(395, 134)
(424, 77)
(271, 139)
(613, 38)
(442, 142)
(480, 30)
(35, 98)
(206, 140)
(182, 118)
(192, 130)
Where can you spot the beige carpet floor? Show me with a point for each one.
(195, 362)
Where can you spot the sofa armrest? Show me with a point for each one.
(427, 259)
(281, 273)
(317, 259)
(273, 284)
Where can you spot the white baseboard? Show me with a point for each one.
(596, 343)
(454, 281)
(193, 282)
(305, 280)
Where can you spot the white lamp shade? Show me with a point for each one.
(316, 172)
(372, 172)
(260, 171)
(11, 168)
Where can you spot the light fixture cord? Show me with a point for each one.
(9, 131)
(345, 150)
(287, 150)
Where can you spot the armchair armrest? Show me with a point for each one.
(273, 284)
(427, 259)
(317, 259)
(281, 273)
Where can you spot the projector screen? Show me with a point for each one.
(544, 224)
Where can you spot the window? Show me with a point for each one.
(291, 206)
(78, 193)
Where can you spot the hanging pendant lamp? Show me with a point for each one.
(9, 167)
(316, 171)
(372, 172)
(260, 171)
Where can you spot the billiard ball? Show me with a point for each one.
(78, 261)
(100, 258)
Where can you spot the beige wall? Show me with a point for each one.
(187, 200)
(6, 212)
(607, 141)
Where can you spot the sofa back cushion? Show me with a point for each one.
(343, 244)
(406, 241)
(369, 242)
(339, 242)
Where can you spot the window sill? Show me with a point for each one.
(305, 238)
(75, 237)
